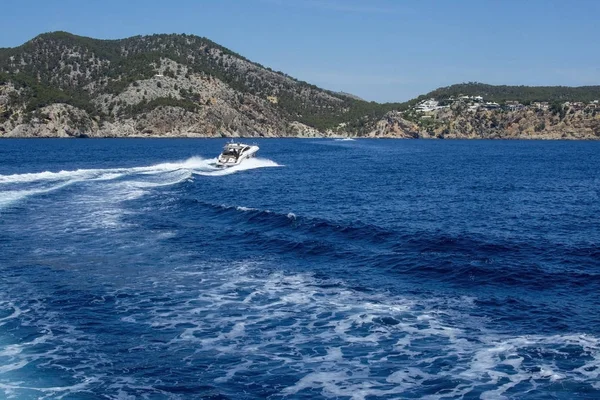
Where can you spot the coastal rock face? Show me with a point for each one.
(394, 126)
(62, 85)
(495, 124)
(56, 120)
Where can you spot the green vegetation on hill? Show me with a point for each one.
(61, 67)
(523, 94)
(38, 94)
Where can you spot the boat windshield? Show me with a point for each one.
(230, 152)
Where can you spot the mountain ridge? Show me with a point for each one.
(60, 84)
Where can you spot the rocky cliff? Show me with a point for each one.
(492, 124)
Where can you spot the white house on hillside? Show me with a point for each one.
(428, 105)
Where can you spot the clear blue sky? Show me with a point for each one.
(382, 50)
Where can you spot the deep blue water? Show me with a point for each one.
(324, 269)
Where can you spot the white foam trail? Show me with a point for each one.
(196, 164)
(104, 174)
(246, 165)
(192, 163)
(16, 187)
(165, 179)
(10, 197)
(56, 176)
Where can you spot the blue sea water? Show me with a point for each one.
(366, 269)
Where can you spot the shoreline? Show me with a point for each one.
(433, 139)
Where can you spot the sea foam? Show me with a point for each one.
(17, 187)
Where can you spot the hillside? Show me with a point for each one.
(519, 112)
(147, 83)
(63, 85)
(523, 94)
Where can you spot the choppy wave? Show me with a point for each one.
(322, 338)
(243, 326)
(310, 225)
(48, 342)
(461, 259)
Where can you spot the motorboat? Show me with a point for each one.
(234, 153)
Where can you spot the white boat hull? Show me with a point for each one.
(226, 161)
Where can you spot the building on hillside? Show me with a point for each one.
(491, 106)
(428, 105)
(474, 98)
(513, 105)
(577, 105)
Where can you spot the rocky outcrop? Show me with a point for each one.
(571, 123)
(56, 120)
(394, 126)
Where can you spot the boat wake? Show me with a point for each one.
(210, 167)
(17, 187)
